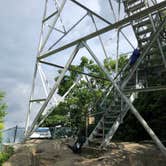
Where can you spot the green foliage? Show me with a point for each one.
(56, 119)
(73, 111)
(84, 97)
(151, 106)
(3, 107)
(110, 64)
(4, 156)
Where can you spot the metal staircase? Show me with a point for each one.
(153, 65)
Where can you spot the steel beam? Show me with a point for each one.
(68, 31)
(118, 24)
(70, 69)
(37, 100)
(149, 89)
(51, 15)
(56, 29)
(90, 11)
(35, 69)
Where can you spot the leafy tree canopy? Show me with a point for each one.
(3, 107)
(83, 98)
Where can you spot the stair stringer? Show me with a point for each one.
(117, 123)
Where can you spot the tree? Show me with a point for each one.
(74, 109)
(3, 107)
(85, 97)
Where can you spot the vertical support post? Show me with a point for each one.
(35, 69)
(103, 127)
(87, 124)
(117, 53)
(131, 106)
(15, 134)
(158, 40)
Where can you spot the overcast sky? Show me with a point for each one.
(19, 35)
(19, 32)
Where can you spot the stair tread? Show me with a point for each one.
(144, 31)
(96, 140)
(144, 39)
(129, 2)
(114, 112)
(142, 23)
(105, 128)
(98, 134)
(110, 116)
(136, 7)
(108, 122)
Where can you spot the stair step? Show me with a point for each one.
(130, 2)
(132, 80)
(157, 67)
(108, 122)
(118, 102)
(137, 7)
(128, 95)
(142, 32)
(156, 50)
(145, 18)
(155, 61)
(110, 116)
(101, 129)
(96, 141)
(115, 107)
(114, 113)
(144, 39)
(98, 135)
(154, 46)
(142, 23)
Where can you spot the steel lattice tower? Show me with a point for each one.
(71, 28)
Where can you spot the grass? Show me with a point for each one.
(4, 156)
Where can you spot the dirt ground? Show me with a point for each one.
(56, 153)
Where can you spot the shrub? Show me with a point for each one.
(4, 156)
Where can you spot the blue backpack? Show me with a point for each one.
(134, 56)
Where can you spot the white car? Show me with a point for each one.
(41, 132)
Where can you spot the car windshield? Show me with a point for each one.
(42, 130)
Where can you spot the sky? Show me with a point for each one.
(19, 36)
(19, 32)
